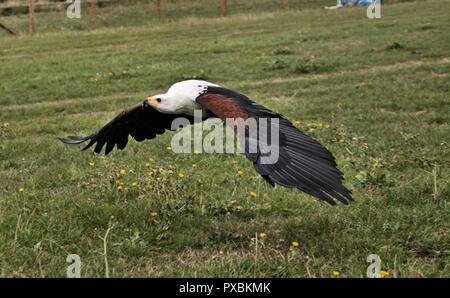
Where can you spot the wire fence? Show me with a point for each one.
(51, 15)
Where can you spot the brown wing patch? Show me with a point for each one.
(222, 106)
(302, 163)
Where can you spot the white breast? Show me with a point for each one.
(184, 94)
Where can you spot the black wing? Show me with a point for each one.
(141, 121)
(303, 163)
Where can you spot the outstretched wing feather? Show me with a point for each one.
(303, 162)
(140, 121)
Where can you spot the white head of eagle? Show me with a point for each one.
(180, 98)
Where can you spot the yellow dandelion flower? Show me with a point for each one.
(384, 274)
(169, 148)
(262, 235)
(134, 184)
(180, 175)
(225, 209)
(151, 173)
(119, 187)
(123, 172)
(327, 125)
(153, 213)
(240, 173)
(21, 189)
(5, 125)
(336, 273)
(221, 252)
(194, 165)
(235, 162)
(295, 244)
(147, 164)
(253, 194)
(91, 163)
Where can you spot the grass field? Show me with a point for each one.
(375, 92)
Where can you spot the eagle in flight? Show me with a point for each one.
(302, 162)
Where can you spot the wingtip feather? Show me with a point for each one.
(74, 140)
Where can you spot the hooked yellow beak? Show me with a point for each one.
(153, 101)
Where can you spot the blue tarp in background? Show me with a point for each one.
(361, 2)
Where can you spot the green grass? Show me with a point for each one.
(376, 92)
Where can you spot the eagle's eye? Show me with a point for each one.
(158, 100)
